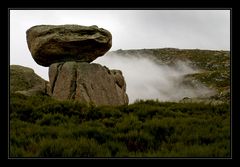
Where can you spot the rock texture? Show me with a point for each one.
(23, 80)
(90, 83)
(50, 44)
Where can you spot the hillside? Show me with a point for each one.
(213, 66)
(41, 126)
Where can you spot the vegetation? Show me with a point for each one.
(43, 127)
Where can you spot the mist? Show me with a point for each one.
(147, 79)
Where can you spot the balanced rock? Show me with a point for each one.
(23, 80)
(50, 44)
(88, 83)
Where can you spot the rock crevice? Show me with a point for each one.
(73, 86)
(55, 75)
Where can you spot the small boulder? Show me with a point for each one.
(23, 80)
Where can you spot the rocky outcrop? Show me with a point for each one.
(50, 44)
(23, 80)
(68, 50)
(90, 83)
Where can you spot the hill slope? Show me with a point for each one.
(213, 66)
(41, 126)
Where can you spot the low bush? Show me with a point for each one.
(44, 127)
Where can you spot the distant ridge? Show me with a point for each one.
(213, 64)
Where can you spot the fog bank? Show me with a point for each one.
(147, 79)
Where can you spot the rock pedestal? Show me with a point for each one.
(90, 83)
(68, 50)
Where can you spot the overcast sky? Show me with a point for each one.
(131, 29)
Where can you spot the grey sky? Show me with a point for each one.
(131, 29)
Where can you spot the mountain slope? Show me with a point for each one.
(213, 66)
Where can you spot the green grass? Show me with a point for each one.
(43, 127)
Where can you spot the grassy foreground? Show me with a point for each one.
(43, 127)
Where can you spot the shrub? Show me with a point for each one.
(161, 129)
(136, 140)
(53, 119)
(129, 122)
(149, 128)
(117, 149)
(82, 147)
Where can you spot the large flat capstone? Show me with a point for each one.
(50, 44)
